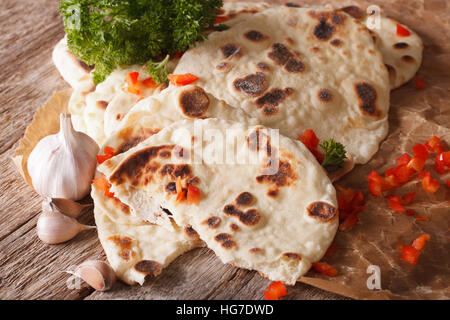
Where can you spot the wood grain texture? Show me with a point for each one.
(30, 269)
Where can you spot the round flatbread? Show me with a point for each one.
(295, 69)
(264, 203)
(136, 249)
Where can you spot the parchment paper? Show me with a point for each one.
(415, 115)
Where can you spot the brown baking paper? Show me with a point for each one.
(415, 115)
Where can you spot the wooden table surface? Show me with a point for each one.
(30, 269)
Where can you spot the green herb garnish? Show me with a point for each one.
(158, 70)
(334, 153)
(112, 33)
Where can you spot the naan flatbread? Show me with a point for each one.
(265, 203)
(295, 69)
(136, 249)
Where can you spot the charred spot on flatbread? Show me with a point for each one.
(272, 193)
(336, 42)
(193, 180)
(124, 243)
(212, 222)
(255, 140)
(167, 170)
(255, 250)
(137, 166)
(292, 5)
(392, 72)
(294, 65)
(164, 154)
(231, 50)
(354, 11)
(284, 176)
(262, 66)
(269, 102)
(132, 137)
(254, 35)
(280, 54)
(323, 31)
(337, 18)
(194, 102)
(321, 211)
(250, 217)
(181, 170)
(245, 199)
(225, 240)
(367, 96)
(253, 84)
(400, 45)
(232, 210)
(171, 187)
(81, 64)
(234, 227)
(122, 206)
(292, 255)
(181, 153)
(102, 104)
(325, 95)
(148, 267)
(408, 59)
(190, 232)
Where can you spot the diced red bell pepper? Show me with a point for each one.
(375, 188)
(193, 194)
(422, 218)
(325, 268)
(434, 145)
(102, 184)
(396, 206)
(132, 78)
(278, 288)
(420, 83)
(149, 83)
(309, 139)
(410, 212)
(108, 154)
(221, 19)
(442, 162)
(408, 198)
(181, 194)
(275, 291)
(402, 31)
(410, 254)
(182, 79)
(419, 243)
(420, 151)
(416, 164)
(448, 183)
(430, 185)
(403, 159)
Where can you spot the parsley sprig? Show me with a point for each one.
(112, 33)
(334, 153)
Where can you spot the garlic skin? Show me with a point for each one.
(63, 165)
(98, 274)
(55, 227)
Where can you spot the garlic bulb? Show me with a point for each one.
(98, 274)
(55, 227)
(62, 165)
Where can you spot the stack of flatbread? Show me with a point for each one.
(263, 202)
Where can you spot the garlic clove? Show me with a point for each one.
(55, 227)
(68, 207)
(62, 165)
(98, 274)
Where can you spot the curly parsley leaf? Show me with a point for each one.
(158, 70)
(334, 153)
(112, 33)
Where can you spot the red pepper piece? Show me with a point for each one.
(325, 268)
(402, 31)
(420, 83)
